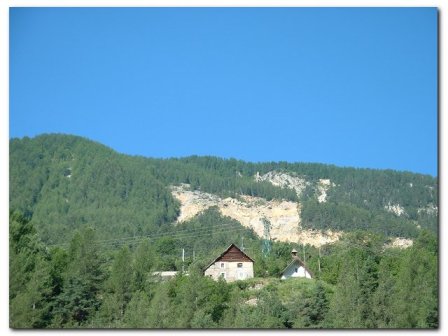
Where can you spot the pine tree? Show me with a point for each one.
(80, 298)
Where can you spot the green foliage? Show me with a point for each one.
(415, 302)
(29, 308)
(349, 217)
(88, 287)
(119, 284)
(137, 310)
(83, 277)
(311, 309)
(65, 182)
(29, 275)
(143, 262)
(390, 289)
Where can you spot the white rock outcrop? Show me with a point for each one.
(322, 187)
(430, 209)
(396, 209)
(401, 243)
(283, 180)
(297, 183)
(284, 216)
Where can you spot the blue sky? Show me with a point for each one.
(349, 86)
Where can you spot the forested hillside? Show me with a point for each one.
(65, 182)
(86, 284)
(89, 227)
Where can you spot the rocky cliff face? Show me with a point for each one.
(297, 183)
(322, 187)
(284, 181)
(284, 216)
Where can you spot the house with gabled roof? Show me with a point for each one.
(296, 268)
(231, 265)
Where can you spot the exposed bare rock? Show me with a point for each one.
(396, 209)
(284, 181)
(284, 216)
(322, 187)
(401, 243)
(430, 209)
(318, 238)
(192, 202)
(296, 183)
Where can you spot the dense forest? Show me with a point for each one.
(89, 227)
(92, 284)
(63, 183)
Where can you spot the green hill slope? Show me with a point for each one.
(65, 182)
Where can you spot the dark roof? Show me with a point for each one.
(301, 262)
(225, 251)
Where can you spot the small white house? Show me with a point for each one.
(296, 268)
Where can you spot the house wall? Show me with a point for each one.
(231, 270)
(291, 272)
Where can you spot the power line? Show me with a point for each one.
(215, 228)
(167, 233)
(175, 235)
(190, 235)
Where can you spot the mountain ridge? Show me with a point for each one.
(74, 181)
(110, 147)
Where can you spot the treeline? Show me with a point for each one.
(92, 284)
(366, 188)
(218, 176)
(348, 217)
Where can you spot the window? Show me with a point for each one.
(296, 270)
(239, 265)
(222, 275)
(222, 265)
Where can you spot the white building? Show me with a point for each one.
(296, 268)
(233, 264)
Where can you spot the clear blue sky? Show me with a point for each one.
(351, 87)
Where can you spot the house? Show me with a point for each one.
(231, 265)
(296, 268)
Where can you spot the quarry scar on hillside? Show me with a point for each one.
(284, 216)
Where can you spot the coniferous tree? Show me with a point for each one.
(80, 297)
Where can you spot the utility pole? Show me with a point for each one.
(242, 244)
(318, 261)
(183, 260)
